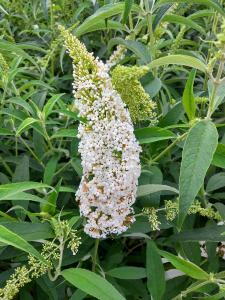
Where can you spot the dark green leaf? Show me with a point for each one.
(219, 156)
(10, 238)
(155, 272)
(128, 273)
(149, 135)
(127, 10)
(92, 284)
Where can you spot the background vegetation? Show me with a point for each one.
(182, 43)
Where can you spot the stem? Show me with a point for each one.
(203, 198)
(94, 259)
(168, 148)
(47, 136)
(7, 167)
(58, 268)
(150, 30)
(63, 167)
(192, 289)
(31, 151)
(216, 83)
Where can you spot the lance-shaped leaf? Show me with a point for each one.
(185, 266)
(102, 14)
(188, 99)
(92, 284)
(184, 60)
(197, 155)
(10, 238)
(155, 272)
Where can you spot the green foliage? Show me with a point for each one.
(166, 61)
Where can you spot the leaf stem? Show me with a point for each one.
(192, 289)
(180, 138)
(216, 83)
(94, 259)
(31, 151)
(58, 268)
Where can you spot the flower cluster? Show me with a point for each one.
(4, 68)
(151, 213)
(126, 81)
(116, 56)
(171, 209)
(24, 274)
(52, 252)
(65, 234)
(109, 150)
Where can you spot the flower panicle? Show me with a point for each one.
(126, 80)
(108, 147)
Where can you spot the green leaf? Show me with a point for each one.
(31, 231)
(3, 10)
(178, 59)
(12, 50)
(219, 156)
(32, 83)
(5, 131)
(50, 170)
(22, 173)
(127, 273)
(162, 11)
(72, 133)
(152, 85)
(76, 164)
(185, 266)
(201, 14)
(127, 10)
(23, 196)
(197, 155)
(103, 25)
(69, 114)
(101, 14)
(184, 21)
(25, 124)
(217, 296)
(50, 205)
(50, 104)
(146, 189)
(215, 182)
(188, 98)
(212, 3)
(92, 284)
(155, 272)
(139, 49)
(21, 102)
(209, 233)
(10, 238)
(173, 115)
(149, 135)
(12, 189)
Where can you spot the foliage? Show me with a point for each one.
(166, 61)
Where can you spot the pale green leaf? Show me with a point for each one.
(178, 59)
(185, 266)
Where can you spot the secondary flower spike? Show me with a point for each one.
(108, 147)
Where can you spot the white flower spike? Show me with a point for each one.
(108, 147)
